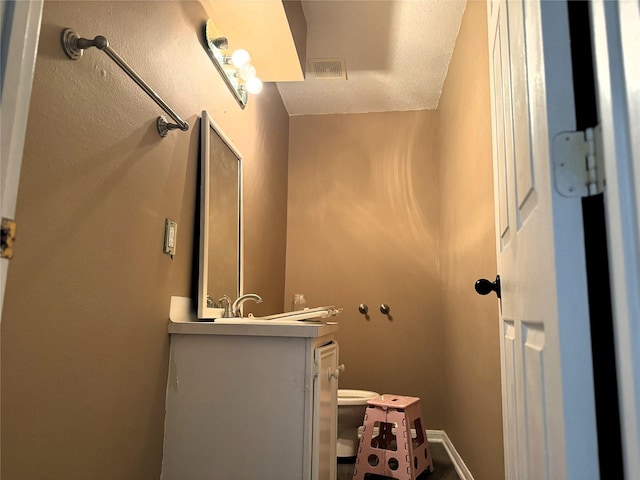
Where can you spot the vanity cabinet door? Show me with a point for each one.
(325, 409)
(248, 407)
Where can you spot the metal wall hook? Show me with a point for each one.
(386, 310)
(74, 47)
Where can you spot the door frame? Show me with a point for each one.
(616, 42)
(20, 38)
(20, 32)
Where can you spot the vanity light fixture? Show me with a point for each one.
(235, 67)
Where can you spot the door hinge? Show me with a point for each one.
(7, 237)
(578, 163)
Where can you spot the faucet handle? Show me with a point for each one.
(225, 302)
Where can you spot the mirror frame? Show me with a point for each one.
(209, 127)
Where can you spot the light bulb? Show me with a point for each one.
(240, 58)
(254, 85)
(247, 71)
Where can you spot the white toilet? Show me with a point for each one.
(351, 407)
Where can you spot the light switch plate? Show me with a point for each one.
(170, 236)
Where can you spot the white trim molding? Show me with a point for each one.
(440, 436)
(20, 32)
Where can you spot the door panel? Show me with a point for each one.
(534, 404)
(520, 92)
(510, 395)
(548, 405)
(500, 139)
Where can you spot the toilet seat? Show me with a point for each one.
(355, 397)
(352, 405)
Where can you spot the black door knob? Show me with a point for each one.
(484, 286)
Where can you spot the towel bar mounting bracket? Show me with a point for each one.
(74, 47)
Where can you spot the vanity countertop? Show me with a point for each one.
(182, 321)
(272, 329)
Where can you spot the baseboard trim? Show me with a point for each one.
(440, 436)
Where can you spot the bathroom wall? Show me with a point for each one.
(471, 361)
(362, 227)
(84, 329)
(383, 208)
(397, 208)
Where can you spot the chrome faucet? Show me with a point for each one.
(235, 307)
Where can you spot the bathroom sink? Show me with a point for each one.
(313, 322)
(312, 315)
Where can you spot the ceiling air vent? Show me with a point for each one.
(328, 68)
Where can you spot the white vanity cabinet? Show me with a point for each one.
(251, 402)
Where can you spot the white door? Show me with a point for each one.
(616, 34)
(547, 382)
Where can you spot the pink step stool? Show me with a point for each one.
(398, 455)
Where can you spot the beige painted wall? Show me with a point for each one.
(383, 208)
(84, 330)
(397, 208)
(471, 361)
(362, 228)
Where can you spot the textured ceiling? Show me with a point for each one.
(396, 54)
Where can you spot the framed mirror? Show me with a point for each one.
(220, 220)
